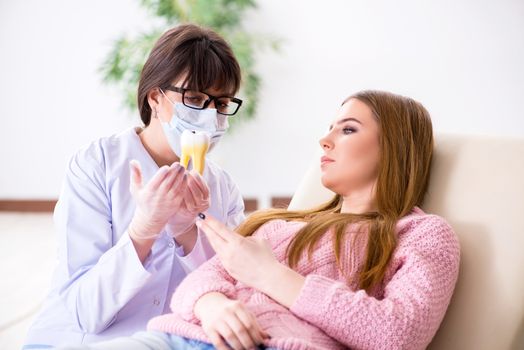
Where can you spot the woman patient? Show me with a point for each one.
(367, 270)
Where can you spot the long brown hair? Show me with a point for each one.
(201, 54)
(406, 148)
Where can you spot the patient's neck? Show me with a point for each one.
(358, 203)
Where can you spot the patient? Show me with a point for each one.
(367, 270)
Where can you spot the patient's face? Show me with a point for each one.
(351, 151)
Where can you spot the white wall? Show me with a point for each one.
(462, 59)
(52, 100)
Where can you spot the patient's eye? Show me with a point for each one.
(348, 130)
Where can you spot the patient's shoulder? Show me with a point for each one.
(428, 231)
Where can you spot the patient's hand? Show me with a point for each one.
(247, 259)
(250, 260)
(228, 320)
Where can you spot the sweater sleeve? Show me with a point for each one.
(414, 302)
(209, 277)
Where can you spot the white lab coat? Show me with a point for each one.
(100, 289)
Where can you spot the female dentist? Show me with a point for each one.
(126, 212)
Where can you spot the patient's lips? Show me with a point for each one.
(325, 160)
(194, 146)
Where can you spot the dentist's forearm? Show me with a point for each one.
(142, 247)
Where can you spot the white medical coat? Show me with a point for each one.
(100, 289)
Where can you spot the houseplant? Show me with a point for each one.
(124, 62)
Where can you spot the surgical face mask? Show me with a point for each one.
(185, 118)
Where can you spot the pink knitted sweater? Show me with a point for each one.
(330, 312)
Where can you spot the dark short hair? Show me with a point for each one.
(201, 54)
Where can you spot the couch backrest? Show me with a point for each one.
(477, 184)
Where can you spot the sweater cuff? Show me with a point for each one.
(183, 303)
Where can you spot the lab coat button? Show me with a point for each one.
(156, 302)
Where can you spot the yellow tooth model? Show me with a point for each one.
(194, 146)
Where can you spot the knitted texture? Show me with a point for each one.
(330, 312)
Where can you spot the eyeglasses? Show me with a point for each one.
(225, 105)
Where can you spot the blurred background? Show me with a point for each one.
(462, 59)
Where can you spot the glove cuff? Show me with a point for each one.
(180, 225)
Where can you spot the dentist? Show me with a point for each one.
(126, 213)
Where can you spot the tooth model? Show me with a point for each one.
(194, 146)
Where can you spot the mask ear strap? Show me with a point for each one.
(163, 93)
(156, 111)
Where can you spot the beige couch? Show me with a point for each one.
(478, 186)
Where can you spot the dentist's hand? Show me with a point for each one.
(157, 200)
(195, 200)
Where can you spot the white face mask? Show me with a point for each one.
(185, 118)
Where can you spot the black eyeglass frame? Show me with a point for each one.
(208, 101)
